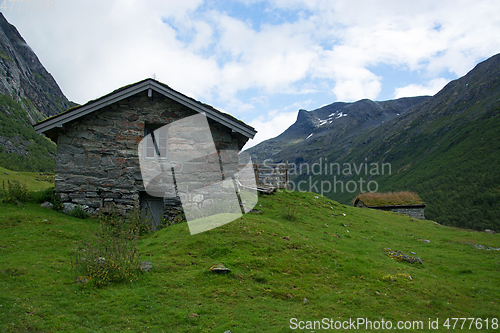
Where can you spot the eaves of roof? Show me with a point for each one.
(76, 112)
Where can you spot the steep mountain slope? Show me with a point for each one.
(28, 94)
(23, 77)
(447, 149)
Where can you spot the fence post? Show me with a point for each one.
(256, 172)
(287, 167)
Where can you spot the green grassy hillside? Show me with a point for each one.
(303, 256)
(451, 164)
(33, 181)
(35, 152)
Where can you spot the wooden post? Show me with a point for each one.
(287, 167)
(256, 172)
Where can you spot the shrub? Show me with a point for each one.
(131, 223)
(111, 255)
(14, 192)
(49, 195)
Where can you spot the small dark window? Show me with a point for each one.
(156, 145)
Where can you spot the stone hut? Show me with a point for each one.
(97, 162)
(400, 202)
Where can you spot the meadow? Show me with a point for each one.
(299, 255)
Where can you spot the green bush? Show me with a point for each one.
(49, 195)
(110, 256)
(14, 192)
(131, 223)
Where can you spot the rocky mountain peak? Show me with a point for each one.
(23, 77)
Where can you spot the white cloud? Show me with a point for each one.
(326, 47)
(431, 88)
(270, 126)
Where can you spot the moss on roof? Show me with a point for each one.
(389, 199)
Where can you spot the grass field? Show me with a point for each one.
(34, 181)
(304, 256)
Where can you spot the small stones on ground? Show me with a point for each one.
(490, 231)
(228, 331)
(5, 173)
(146, 266)
(344, 214)
(483, 247)
(400, 256)
(219, 268)
(316, 197)
(412, 252)
(256, 211)
(193, 315)
(286, 238)
(305, 300)
(424, 240)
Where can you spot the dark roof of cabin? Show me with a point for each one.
(50, 124)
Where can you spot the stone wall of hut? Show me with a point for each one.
(97, 163)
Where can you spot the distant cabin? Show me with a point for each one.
(97, 162)
(407, 203)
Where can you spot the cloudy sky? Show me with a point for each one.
(260, 61)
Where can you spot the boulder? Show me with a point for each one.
(68, 207)
(46, 204)
(146, 266)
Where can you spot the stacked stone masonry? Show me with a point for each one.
(97, 162)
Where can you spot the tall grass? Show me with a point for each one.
(14, 192)
(111, 255)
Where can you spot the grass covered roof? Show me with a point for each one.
(389, 199)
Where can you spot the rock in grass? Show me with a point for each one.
(146, 266)
(68, 207)
(47, 204)
(400, 256)
(219, 268)
(489, 231)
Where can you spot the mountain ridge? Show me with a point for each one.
(445, 148)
